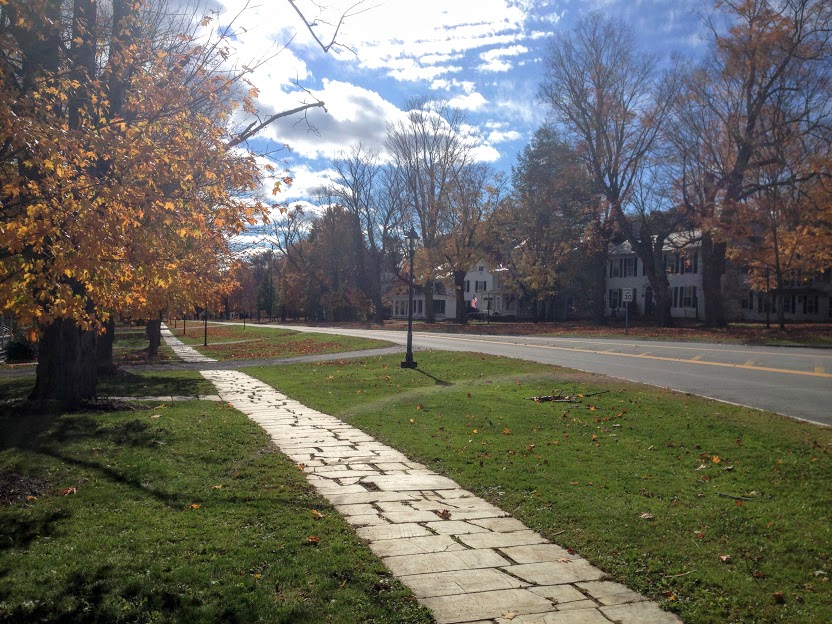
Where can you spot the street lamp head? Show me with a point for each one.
(411, 238)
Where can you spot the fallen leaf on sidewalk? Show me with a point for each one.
(444, 514)
(509, 615)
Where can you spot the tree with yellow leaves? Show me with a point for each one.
(121, 178)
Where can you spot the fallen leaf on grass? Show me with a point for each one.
(195, 506)
(646, 516)
(725, 558)
(69, 490)
(31, 498)
(218, 486)
(506, 431)
(312, 539)
(317, 514)
(779, 597)
(301, 466)
(156, 416)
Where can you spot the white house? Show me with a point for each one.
(805, 298)
(486, 290)
(682, 260)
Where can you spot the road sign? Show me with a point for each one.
(626, 294)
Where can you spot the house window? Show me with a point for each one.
(810, 304)
(419, 304)
(628, 267)
(789, 304)
(439, 306)
(467, 285)
(480, 285)
(615, 268)
(688, 296)
(747, 302)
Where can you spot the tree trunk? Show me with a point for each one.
(459, 289)
(713, 267)
(104, 349)
(66, 370)
(154, 336)
(599, 285)
(430, 317)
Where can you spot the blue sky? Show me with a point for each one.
(482, 56)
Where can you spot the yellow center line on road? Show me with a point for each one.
(749, 363)
(696, 358)
(682, 347)
(820, 370)
(644, 356)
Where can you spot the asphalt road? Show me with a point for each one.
(795, 382)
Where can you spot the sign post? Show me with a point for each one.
(627, 298)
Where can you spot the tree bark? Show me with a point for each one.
(713, 267)
(459, 289)
(154, 336)
(66, 370)
(599, 285)
(430, 317)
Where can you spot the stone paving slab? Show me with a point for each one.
(460, 582)
(444, 562)
(434, 535)
(492, 604)
(416, 546)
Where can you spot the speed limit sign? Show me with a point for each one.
(626, 294)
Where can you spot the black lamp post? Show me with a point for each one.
(411, 239)
(205, 339)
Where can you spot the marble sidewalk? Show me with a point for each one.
(465, 559)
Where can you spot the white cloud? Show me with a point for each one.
(354, 114)
(494, 59)
(501, 137)
(305, 183)
(470, 102)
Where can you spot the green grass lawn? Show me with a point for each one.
(233, 342)
(178, 513)
(723, 514)
(130, 347)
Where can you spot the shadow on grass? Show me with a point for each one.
(128, 384)
(18, 531)
(439, 382)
